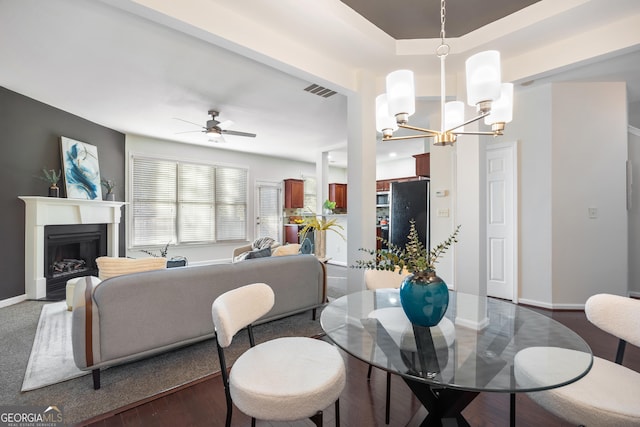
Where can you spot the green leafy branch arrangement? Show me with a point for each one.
(108, 184)
(314, 222)
(51, 176)
(414, 257)
(163, 251)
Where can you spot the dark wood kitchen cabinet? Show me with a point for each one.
(338, 194)
(293, 193)
(423, 164)
(291, 233)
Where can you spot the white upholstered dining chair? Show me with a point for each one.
(608, 395)
(283, 379)
(380, 279)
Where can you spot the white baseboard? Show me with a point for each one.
(634, 294)
(14, 300)
(341, 263)
(543, 304)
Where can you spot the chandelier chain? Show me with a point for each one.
(443, 49)
(442, 20)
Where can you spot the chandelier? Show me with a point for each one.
(492, 98)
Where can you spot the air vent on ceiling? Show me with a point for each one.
(320, 91)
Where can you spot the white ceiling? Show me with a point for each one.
(135, 70)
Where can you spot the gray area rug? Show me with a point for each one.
(124, 384)
(336, 281)
(51, 359)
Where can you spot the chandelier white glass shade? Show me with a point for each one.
(493, 99)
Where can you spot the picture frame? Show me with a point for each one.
(81, 169)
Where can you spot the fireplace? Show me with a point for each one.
(43, 212)
(70, 251)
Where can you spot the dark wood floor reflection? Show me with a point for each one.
(362, 402)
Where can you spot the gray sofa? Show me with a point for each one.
(138, 315)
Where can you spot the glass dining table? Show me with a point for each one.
(481, 345)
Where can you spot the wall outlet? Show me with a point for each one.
(592, 212)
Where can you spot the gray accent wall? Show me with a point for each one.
(30, 134)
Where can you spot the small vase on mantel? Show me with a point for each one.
(424, 298)
(110, 197)
(54, 190)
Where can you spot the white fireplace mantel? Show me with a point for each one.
(42, 211)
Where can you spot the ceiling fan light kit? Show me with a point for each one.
(492, 98)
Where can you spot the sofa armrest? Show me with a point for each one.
(85, 327)
(241, 250)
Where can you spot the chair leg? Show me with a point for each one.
(227, 422)
(317, 419)
(253, 422)
(512, 410)
(337, 405)
(369, 373)
(387, 414)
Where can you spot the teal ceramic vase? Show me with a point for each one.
(424, 299)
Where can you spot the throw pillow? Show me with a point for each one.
(291, 249)
(262, 253)
(114, 266)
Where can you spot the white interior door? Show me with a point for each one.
(268, 211)
(501, 221)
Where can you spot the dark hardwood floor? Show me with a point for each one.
(362, 402)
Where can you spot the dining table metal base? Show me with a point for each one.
(440, 406)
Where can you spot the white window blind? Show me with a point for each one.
(196, 192)
(231, 204)
(269, 211)
(182, 202)
(154, 202)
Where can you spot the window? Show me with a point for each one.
(181, 202)
(309, 193)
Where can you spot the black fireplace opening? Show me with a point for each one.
(71, 251)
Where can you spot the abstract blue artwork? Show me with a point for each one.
(81, 169)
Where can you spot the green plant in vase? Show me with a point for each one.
(319, 226)
(108, 185)
(328, 206)
(52, 177)
(424, 296)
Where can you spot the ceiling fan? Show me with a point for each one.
(215, 129)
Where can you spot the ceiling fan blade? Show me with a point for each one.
(226, 124)
(187, 121)
(236, 133)
(189, 131)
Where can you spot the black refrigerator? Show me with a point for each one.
(409, 200)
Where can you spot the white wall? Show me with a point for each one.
(336, 245)
(573, 148)
(589, 153)
(261, 168)
(400, 168)
(634, 213)
(531, 126)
